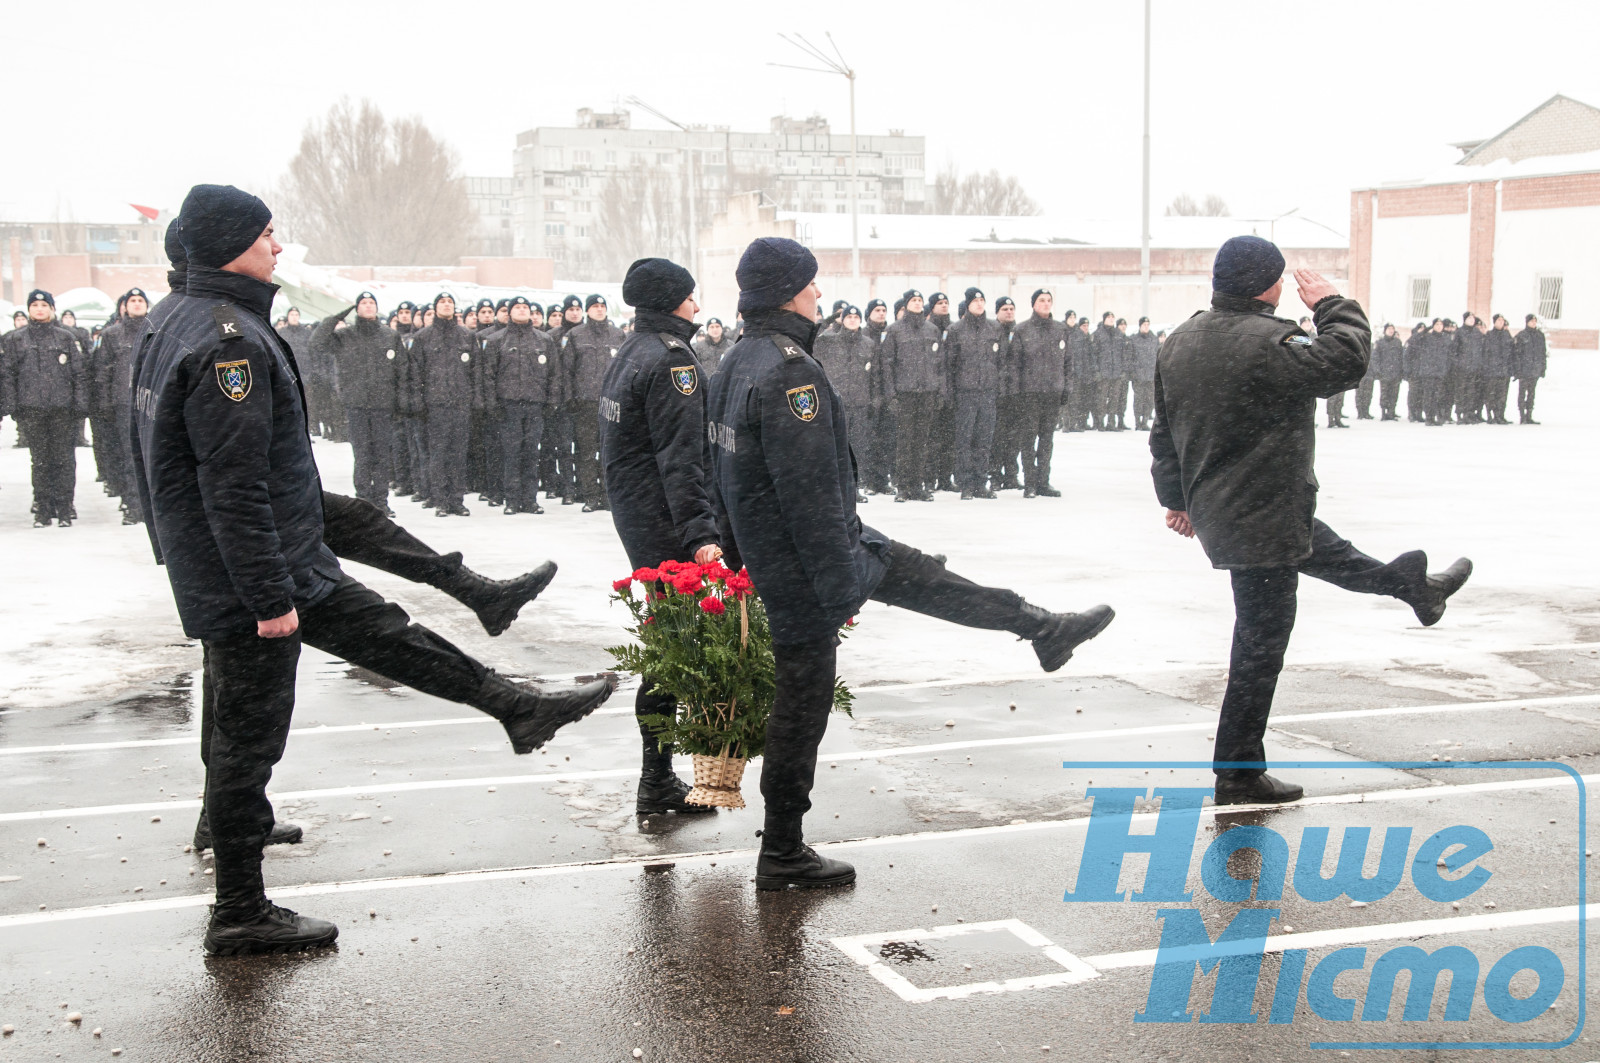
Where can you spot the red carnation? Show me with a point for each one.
(713, 605)
(623, 584)
(668, 567)
(740, 584)
(646, 575)
(715, 570)
(687, 583)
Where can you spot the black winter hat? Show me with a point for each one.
(713, 321)
(553, 310)
(908, 295)
(1144, 321)
(173, 243)
(595, 300)
(874, 304)
(405, 304)
(441, 295)
(571, 300)
(773, 270)
(516, 300)
(936, 298)
(1004, 300)
(969, 295)
(899, 305)
(1038, 292)
(850, 311)
(838, 305)
(656, 284)
(484, 303)
(367, 295)
(39, 295)
(220, 222)
(133, 292)
(501, 305)
(1246, 266)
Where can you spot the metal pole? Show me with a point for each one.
(694, 229)
(855, 227)
(1144, 246)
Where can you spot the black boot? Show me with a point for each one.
(1049, 492)
(801, 867)
(282, 833)
(1061, 633)
(660, 789)
(1427, 593)
(265, 927)
(532, 716)
(1260, 789)
(496, 601)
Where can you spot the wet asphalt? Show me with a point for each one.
(495, 907)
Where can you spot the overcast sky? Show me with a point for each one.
(1273, 106)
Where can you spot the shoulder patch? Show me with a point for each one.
(791, 350)
(234, 379)
(228, 328)
(1298, 341)
(803, 402)
(685, 378)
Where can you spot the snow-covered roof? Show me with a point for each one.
(977, 232)
(1502, 170)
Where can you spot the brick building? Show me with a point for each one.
(1509, 228)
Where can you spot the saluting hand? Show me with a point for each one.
(1178, 521)
(1314, 287)
(279, 627)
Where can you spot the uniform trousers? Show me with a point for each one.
(1416, 405)
(806, 673)
(494, 455)
(400, 455)
(913, 458)
(860, 423)
(447, 455)
(130, 497)
(52, 436)
(1264, 602)
(1144, 401)
(1495, 391)
(975, 419)
(102, 436)
(1526, 386)
(1335, 407)
(1038, 437)
(1469, 398)
(372, 441)
(1388, 397)
(1364, 398)
(421, 467)
(359, 531)
(1114, 402)
(885, 438)
(586, 450)
(1080, 412)
(521, 429)
(247, 700)
(1006, 451)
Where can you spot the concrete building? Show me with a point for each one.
(490, 198)
(1509, 228)
(73, 254)
(560, 175)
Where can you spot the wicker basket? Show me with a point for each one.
(716, 781)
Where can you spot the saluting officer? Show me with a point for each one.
(781, 464)
(364, 357)
(653, 447)
(518, 367)
(43, 378)
(1235, 431)
(589, 349)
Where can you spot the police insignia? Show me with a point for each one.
(685, 379)
(803, 402)
(1299, 341)
(234, 379)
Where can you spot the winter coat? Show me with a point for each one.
(1044, 355)
(975, 357)
(914, 358)
(1388, 354)
(1528, 356)
(365, 357)
(43, 366)
(846, 357)
(1106, 348)
(590, 349)
(1142, 347)
(441, 375)
(1469, 351)
(519, 365)
(1497, 344)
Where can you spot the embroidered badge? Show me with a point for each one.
(803, 402)
(1299, 341)
(685, 379)
(234, 379)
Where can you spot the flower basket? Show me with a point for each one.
(702, 638)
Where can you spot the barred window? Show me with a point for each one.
(1421, 296)
(1550, 297)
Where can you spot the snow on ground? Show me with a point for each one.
(88, 616)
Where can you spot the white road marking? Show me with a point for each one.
(859, 948)
(314, 889)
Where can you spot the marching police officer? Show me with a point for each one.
(223, 443)
(43, 378)
(1043, 340)
(519, 365)
(975, 360)
(443, 385)
(1528, 363)
(589, 349)
(364, 359)
(1236, 391)
(653, 447)
(781, 463)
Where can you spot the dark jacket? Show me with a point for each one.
(1105, 345)
(709, 354)
(119, 347)
(653, 443)
(590, 349)
(1388, 356)
(518, 365)
(1235, 424)
(1528, 356)
(365, 356)
(878, 373)
(1044, 355)
(1431, 359)
(441, 374)
(223, 459)
(914, 358)
(1080, 357)
(846, 357)
(43, 366)
(1142, 348)
(1497, 344)
(782, 469)
(1008, 364)
(1469, 351)
(975, 357)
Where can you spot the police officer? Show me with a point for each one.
(1044, 355)
(712, 345)
(1528, 363)
(1236, 392)
(363, 357)
(119, 345)
(1416, 397)
(589, 349)
(518, 367)
(653, 447)
(442, 384)
(1144, 346)
(99, 393)
(915, 382)
(560, 428)
(781, 463)
(1006, 474)
(1081, 384)
(975, 362)
(1388, 360)
(1497, 347)
(877, 463)
(1470, 346)
(223, 443)
(846, 355)
(942, 433)
(43, 378)
(1432, 368)
(403, 323)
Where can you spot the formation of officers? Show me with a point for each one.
(1453, 374)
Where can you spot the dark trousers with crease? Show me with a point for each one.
(448, 430)
(371, 443)
(975, 420)
(1388, 397)
(806, 672)
(586, 451)
(52, 438)
(1264, 603)
(1039, 410)
(1526, 387)
(247, 701)
(356, 530)
(913, 451)
(521, 429)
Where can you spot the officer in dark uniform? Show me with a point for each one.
(223, 443)
(518, 367)
(1006, 453)
(115, 348)
(102, 408)
(1143, 346)
(653, 447)
(712, 345)
(364, 358)
(1388, 361)
(401, 457)
(782, 467)
(1236, 392)
(916, 379)
(1528, 363)
(44, 372)
(975, 362)
(942, 433)
(1416, 393)
(558, 430)
(846, 355)
(1497, 347)
(590, 348)
(1044, 354)
(877, 462)
(443, 384)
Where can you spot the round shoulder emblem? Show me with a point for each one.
(61, 358)
(465, 357)
(389, 355)
(541, 359)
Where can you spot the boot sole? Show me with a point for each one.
(258, 948)
(497, 624)
(293, 836)
(571, 715)
(1251, 799)
(1111, 614)
(776, 882)
(1435, 612)
(683, 809)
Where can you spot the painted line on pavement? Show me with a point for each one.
(314, 889)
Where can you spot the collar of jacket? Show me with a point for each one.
(671, 324)
(368, 324)
(248, 292)
(177, 281)
(781, 323)
(940, 321)
(521, 329)
(1242, 303)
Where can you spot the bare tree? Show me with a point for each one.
(1184, 206)
(642, 214)
(366, 190)
(980, 193)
